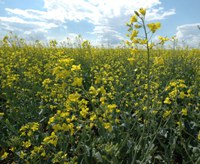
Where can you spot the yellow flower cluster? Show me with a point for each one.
(38, 150)
(154, 26)
(29, 128)
(177, 89)
(52, 139)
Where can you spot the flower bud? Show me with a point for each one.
(142, 11)
(136, 13)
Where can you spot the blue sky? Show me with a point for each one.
(100, 21)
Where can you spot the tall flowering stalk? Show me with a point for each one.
(138, 22)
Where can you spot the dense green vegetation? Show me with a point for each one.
(90, 105)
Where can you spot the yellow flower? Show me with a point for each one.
(142, 11)
(131, 60)
(57, 127)
(127, 42)
(167, 100)
(76, 67)
(173, 93)
(173, 83)
(103, 91)
(180, 124)
(137, 26)
(53, 139)
(163, 39)
(108, 126)
(22, 134)
(77, 81)
(144, 108)
(117, 120)
(135, 41)
(181, 81)
(5, 155)
(182, 95)
(43, 154)
(134, 34)
(154, 26)
(1, 114)
(22, 155)
(73, 118)
(143, 41)
(35, 126)
(26, 144)
(93, 117)
(102, 100)
(29, 133)
(189, 90)
(167, 113)
(66, 61)
(93, 91)
(117, 110)
(134, 51)
(68, 120)
(46, 82)
(74, 97)
(84, 112)
(133, 19)
(158, 61)
(71, 127)
(112, 106)
(184, 112)
(154, 111)
(51, 120)
(12, 149)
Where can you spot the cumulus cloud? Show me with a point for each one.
(106, 16)
(189, 34)
(106, 35)
(100, 12)
(26, 28)
(28, 13)
(37, 25)
(159, 13)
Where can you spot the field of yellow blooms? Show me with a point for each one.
(82, 104)
(89, 105)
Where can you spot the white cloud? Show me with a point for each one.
(159, 13)
(106, 35)
(11, 19)
(99, 11)
(35, 24)
(107, 16)
(28, 13)
(31, 30)
(189, 34)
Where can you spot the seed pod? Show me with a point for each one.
(136, 13)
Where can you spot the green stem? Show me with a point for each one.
(148, 65)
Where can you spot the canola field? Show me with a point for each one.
(89, 105)
(83, 104)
